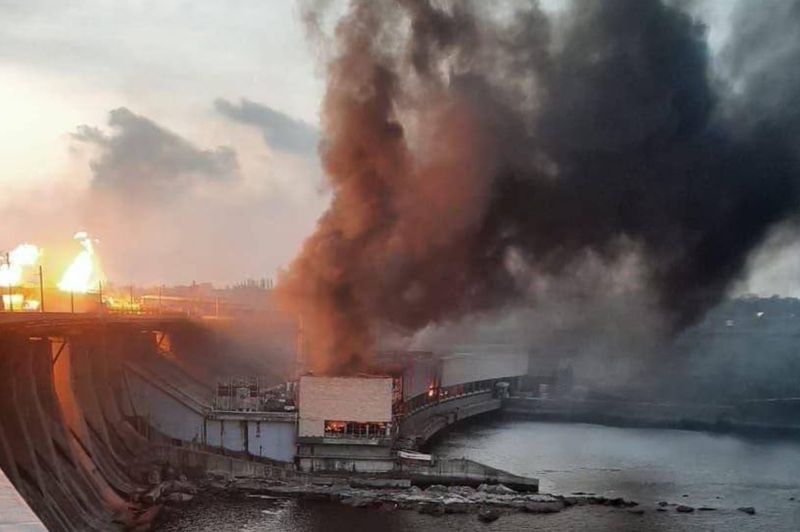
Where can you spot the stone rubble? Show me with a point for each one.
(488, 502)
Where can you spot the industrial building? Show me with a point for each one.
(345, 424)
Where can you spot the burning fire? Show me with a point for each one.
(81, 276)
(22, 256)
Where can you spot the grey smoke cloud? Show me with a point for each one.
(144, 160)
(761, 61)
(280, 130)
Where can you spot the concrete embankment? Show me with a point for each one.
(463, 472)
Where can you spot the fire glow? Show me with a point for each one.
(22, 257)
(81, 276)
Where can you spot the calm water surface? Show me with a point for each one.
(647, 465)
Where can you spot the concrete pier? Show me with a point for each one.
(15, 514)
(463, 472)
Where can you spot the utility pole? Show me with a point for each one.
(41, 289)
(159, 300)
(72, 301)
(10, 291)
(100, 294)
(131, 298)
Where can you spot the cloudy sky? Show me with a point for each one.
(182, 135)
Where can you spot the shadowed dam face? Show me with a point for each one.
(64, 440)
(476, 155)
(73, 435)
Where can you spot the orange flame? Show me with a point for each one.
(81, 276)
(22, 256)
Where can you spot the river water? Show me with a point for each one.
(646, 465)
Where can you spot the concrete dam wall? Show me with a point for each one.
(87, 408)
(65, 443)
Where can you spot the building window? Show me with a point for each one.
(354, 429)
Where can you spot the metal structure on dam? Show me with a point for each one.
(89, 402)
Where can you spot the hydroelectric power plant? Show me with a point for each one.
(107, 416)
(94, 406)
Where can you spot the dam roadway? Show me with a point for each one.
(55, 322)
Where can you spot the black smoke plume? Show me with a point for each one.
(465, 144)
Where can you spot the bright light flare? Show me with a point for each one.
(81, 276)
(13, 266)
(13, 301)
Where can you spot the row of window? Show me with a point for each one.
(354, 429)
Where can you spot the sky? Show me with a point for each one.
(217, 99)
(182, 136)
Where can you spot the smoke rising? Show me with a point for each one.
(472, 153)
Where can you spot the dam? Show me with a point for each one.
(92, 406)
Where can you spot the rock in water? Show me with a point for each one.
(682, 508)
(497, 489)
(359, 502)
(154, 477)
(749, 510)
(179, 498)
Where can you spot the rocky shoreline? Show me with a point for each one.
(487, 502)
